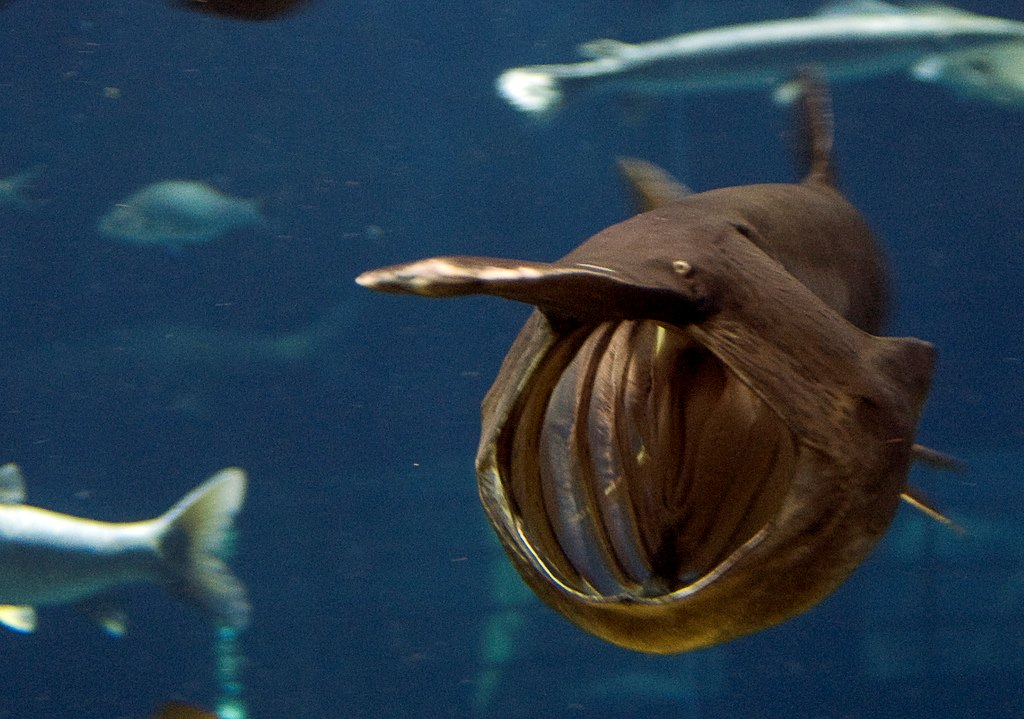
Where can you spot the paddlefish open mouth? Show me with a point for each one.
(637, 464)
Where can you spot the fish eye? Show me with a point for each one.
(682, 267)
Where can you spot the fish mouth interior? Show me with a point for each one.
(637, 464)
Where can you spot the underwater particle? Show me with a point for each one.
(112, 93)
(174, 213)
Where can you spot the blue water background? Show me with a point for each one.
(371, 133)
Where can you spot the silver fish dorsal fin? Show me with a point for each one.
(17, 618)
(939, 9)
(12, 486)
(861, 7)
(604, 47)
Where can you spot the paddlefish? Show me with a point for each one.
(699, 432)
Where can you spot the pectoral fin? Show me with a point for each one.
(17, 618)
(604, 47)
(917, 500)
(936, 460)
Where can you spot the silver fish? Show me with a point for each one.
(173, 213)
(49, 558)
(846, 40)
(13, 189)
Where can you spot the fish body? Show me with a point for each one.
(13, 189)
(848, 41)
(174, 213)
(697, 434)
(49, 558)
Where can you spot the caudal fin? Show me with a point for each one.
(530, 90)
(194, 542)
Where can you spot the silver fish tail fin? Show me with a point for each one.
(194, 541)
(815, 129)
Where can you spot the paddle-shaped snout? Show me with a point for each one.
(659, 288)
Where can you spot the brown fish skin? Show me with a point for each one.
(695, 437)
(825, 244)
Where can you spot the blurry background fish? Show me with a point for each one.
(13, 189)
(849, 40)
(174, 213)
(49, 558)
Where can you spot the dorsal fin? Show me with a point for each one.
(12, 486)
(649, 186)
(861, 7)
(602, 47)
(814, 130)
(940, 9)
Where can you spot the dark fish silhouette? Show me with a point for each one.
(244, 9)
(181, 710)
(695, 436)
